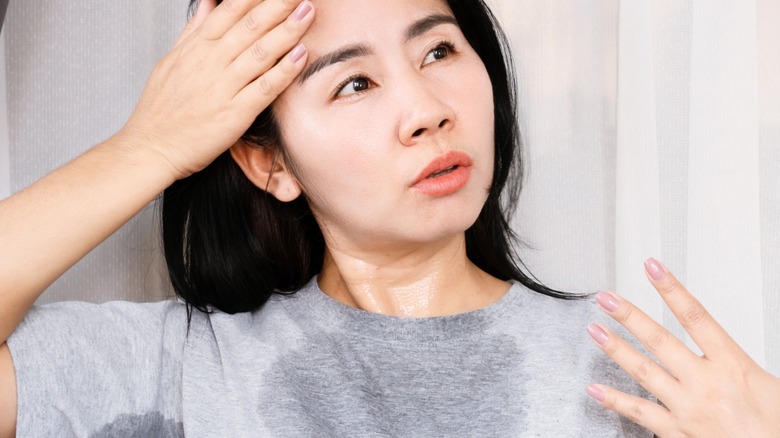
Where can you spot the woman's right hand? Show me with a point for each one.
(230, 62)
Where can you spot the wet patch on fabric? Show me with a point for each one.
(473, 386)
(141, 426)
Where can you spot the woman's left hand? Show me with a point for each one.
(721, 393)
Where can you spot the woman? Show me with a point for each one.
(393, 138)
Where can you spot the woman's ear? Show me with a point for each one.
(266, 168)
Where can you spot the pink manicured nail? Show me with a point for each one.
(655, 269)
(302, 10)
(607, 301)
(297, 53)
(595, 392)
(598, 334)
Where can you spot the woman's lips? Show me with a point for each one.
(445, 175)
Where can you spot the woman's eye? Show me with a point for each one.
(440, 52)
(354, 85)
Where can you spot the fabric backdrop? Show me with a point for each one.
(652, 128)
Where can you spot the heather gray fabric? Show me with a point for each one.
(306, 365)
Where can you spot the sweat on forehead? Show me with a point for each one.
(340, 19)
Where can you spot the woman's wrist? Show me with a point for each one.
(144, 154)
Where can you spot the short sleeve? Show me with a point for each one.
(113, 369)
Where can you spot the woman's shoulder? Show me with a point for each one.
(558, 320)
(570, 309)
(114, 321)
(126, 311)
(98, 365)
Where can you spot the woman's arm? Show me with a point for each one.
(7, 394)
(198, 101)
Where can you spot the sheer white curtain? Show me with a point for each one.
(652, 128)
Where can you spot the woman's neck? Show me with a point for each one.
(415, 281)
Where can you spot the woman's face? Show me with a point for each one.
(392, 93)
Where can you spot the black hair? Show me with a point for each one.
(230, 245)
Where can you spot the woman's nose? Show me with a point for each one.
(424, 112)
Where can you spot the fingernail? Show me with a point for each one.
(655, 269)
(598, 334)
(302, 11)
(607, 301)
(297, 53)
(595, 393)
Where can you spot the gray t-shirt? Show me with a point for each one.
(306, 365)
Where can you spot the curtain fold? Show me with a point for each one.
(637, 197)
(768, 12)
(724, 236)
(5, 146)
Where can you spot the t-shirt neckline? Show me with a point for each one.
(334, 316)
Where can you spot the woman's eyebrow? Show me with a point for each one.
(416, 29)
(425, 24)
(340, 55)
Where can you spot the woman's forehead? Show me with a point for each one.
(347, 21)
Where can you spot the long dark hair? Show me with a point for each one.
(230, 245)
